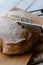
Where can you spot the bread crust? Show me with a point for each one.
(16, 39)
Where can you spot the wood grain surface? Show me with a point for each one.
(14, 60)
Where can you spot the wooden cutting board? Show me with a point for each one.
(21, 59)
(15, 60)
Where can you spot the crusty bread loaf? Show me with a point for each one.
(22, 46)
(16, 39)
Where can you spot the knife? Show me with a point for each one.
(31, 26)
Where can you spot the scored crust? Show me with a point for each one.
(16, 39)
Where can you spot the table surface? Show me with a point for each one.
(21, 59)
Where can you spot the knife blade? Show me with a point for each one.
(31, 26)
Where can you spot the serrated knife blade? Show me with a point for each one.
(31, 26)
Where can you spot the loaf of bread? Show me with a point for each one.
(15, 38)
(20, 42)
